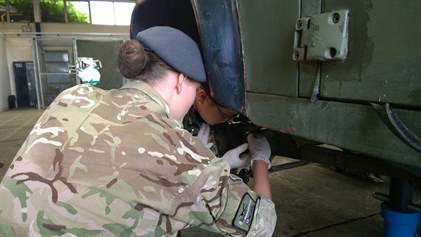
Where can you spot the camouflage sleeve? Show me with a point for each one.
(258, 219)
(220, 194)
(264, 218)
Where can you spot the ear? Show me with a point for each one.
(180, 83)
(201, 96)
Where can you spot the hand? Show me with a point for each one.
(203, 135)
(259, 149)
(234, 158)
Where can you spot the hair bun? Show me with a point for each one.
(132, 59)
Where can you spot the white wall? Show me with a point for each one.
(4, 74)
(16, 45)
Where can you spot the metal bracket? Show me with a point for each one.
(322, 37)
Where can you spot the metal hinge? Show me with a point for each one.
(322, 37)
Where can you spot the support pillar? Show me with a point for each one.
(399, 218)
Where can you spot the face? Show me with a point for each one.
(211, 112)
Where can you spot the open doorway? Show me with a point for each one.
(63, 63)
(54, 59)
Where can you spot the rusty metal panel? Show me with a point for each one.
(278, 89)
(383, 64)
(267, 29)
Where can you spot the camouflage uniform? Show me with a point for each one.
(115, 163)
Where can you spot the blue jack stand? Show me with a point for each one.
(400, 215)
(399, 223)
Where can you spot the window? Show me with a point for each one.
(111, 13)
(104, 12)
(80, 11)
(52, 11)
(16, 11)
(120, 11)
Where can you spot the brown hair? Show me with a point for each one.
(137, 63)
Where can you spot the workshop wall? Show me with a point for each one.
(16, 44)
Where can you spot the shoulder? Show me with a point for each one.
(79, 96)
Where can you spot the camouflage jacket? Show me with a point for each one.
(115, 163)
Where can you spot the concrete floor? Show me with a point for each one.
(311, 200)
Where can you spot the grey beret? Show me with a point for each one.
(175, 48)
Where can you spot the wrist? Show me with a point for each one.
(262, 161)
(258, 164)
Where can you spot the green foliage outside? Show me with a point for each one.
(51, 11)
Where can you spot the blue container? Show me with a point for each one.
(399, 224)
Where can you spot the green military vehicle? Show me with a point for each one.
(308, 73)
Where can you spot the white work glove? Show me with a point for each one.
(203, 135)
(259, 149)
(234, 158)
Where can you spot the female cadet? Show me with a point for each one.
(119, 163)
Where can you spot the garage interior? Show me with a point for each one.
(313, 196)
